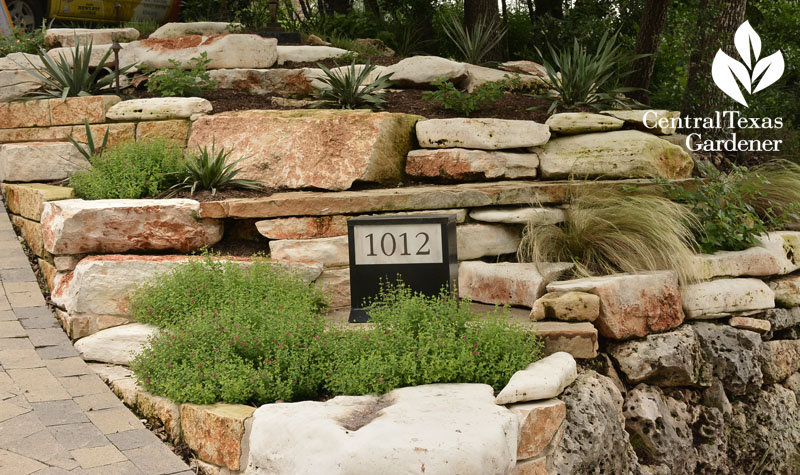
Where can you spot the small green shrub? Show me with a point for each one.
(449, 97)
(348, 88)
(207, 170)
(21, 41)
(179, 82)
(129, 170)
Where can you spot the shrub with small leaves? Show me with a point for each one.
(179, 82)
(449, 97)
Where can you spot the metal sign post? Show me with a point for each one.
(420, 250)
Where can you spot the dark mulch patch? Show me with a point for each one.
(223, 194)
(240, 247)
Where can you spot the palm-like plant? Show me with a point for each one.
(348, 88)
(208, 170)
(63, 78)
(476, 43)
(580, 78)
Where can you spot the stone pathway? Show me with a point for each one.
(56, 415)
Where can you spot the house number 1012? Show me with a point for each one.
(398, 244)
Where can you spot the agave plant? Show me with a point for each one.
(208, 170)
(348, 87)
(63, 78)
(476, 43)
(580, 78)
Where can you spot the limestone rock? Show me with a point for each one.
(783, 318)
(458, 164)
(283, 82)
(779, 359)
(506, 283)
(577, 339)
(421, 71)
(543, 379)
(595, 440)
(652, 120)
(216, 432)
(524, 215)
(567, 306)
(539, 423)
(726, 296)
(666, 359)
(116, 345)
(224, 51)
(207, 28)
(733, 354)
(485, 134)
(324, 149)
(55, 37)
(787, 291)
(446, 428)
(755, 262)
(786, 245)
(308, 54)
(617, 154)
(631, 305)
(569, 123)
(331, 252)
(753, 324)
(335, 285)
(28, 200)
(479, 240)
(303, 228)
(107, 226)
(159, 108)
(39, 161)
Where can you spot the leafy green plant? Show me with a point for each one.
(349, 87)
(72, 77)
(207, 170)
(132, 169)
(22, 41)
(449, 97)
(179, 82)
(91, 149)
(476, 43)
(610, 231)
(580, 78)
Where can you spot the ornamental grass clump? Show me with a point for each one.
(609, 231)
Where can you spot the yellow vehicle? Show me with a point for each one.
(30, 13)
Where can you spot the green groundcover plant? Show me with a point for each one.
(257, 333)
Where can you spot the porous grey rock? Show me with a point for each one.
(733, 354)
(665, 359)
(595, 440)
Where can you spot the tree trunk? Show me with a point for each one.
(716, 24)
(554, 8)
(654, 16)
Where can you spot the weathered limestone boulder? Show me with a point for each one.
(719, 298)
(506, 283)
(787, 291)
(216, 432)
(569, 123)
(631, 305)
(733, 354)
(666, 359)
(115, 345)
(617, 154)
(654, 121)
(308, 54)
(567, 306)
(331, 252)
(421, 71)
(757, 325)
(28, 200)
(327, 149)
(480, 75)
(755, 262)
(106, 226)
(779, 359)
(159, 108)
(458, 164)
(523, 215)
(765, 422)
(485, 134)
(56, 37)
(595, 440)
(539, 424)
(335, 284)
(224, 51)
(577, 339)
(303, 228)
(785, 244)
(783, 318)
(543, 379)
(39, 161)
(446, 428)
(479, 240)
(283, 82)
(206, 28)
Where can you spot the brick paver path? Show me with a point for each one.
(56, 415)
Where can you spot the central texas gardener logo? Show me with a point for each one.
(754, 75)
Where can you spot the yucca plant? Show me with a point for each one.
(209, 170)
(606, 232)
(476, 43)
(347, 88)
(580, 78)
(63, 78)
(91, 149)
